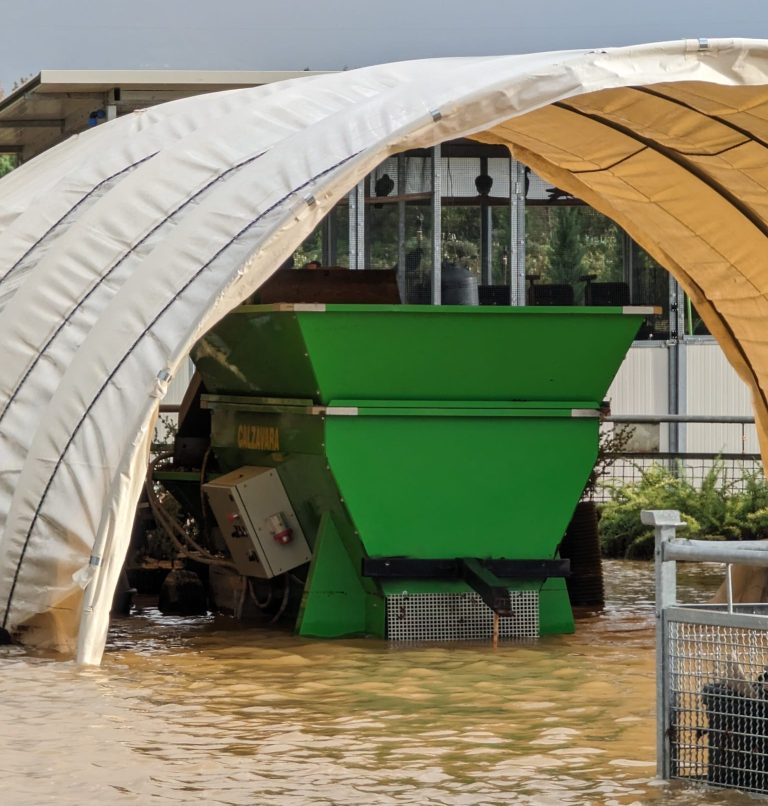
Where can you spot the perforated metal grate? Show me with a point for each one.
(718, 705)
(458, 617)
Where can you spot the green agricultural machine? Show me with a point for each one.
(399, 471)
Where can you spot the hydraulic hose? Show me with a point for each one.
(183, 542)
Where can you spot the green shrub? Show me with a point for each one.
(714, 510)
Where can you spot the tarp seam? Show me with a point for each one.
(613, 164)
(65, 321)
(675, 156)
(69, 212)
(727, 123)
(719, 153)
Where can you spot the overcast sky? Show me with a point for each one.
(332, 34)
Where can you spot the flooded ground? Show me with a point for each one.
(188, 711)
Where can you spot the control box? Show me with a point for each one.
(257, 521)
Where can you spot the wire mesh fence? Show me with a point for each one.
(632, 446)
(718, 701)
(712, 667)
(734, 471)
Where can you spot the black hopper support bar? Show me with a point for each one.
(483, 576)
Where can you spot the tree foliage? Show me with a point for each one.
(567, 248)
(565, 242)
(562, 243)
(716, 509)
(7, 163)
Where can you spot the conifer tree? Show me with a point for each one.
(566, 248)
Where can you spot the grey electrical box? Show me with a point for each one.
(257, 521)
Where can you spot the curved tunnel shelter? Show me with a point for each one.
(122, 246)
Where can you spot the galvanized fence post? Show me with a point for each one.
(665, 523)
(712, 666)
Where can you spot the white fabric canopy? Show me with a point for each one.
(121, 247)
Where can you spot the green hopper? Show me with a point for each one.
(433, 456)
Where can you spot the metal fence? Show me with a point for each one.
(734, 469)
(712, 669)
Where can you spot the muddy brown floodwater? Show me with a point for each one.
(190, 711)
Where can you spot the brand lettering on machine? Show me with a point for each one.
(258, 437)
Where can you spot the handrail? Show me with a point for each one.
(743, 552)
(679, 418)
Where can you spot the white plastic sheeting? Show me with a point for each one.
(121, 247)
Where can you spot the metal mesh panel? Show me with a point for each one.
(458, 617)
(735, 471)
(398, 224)
(415, 178)
(718, 705)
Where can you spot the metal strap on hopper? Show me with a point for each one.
(483, 576)
(462, 408)
(645, 310)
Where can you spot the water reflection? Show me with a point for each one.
(191, 710)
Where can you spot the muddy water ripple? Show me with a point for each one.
(195, 711)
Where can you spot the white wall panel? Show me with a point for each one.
(713, 387)
(640, 386)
